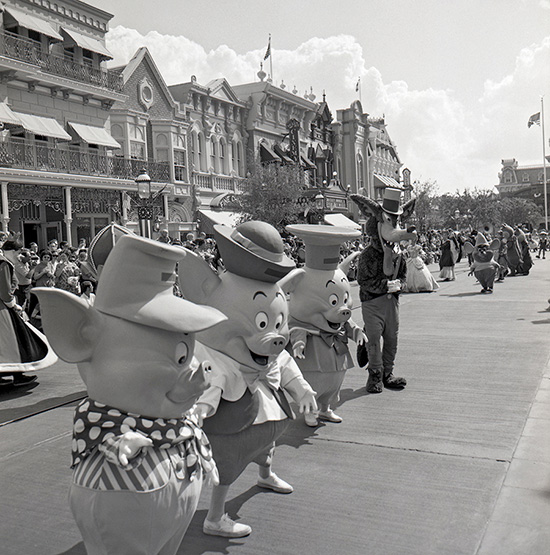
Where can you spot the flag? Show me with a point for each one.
(268, 50)
(358, 84)
(534, 120)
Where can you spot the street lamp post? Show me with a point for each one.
(145, 210)
(320, 205)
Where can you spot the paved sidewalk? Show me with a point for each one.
(457, 463)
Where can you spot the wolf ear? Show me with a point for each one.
(367, 206)
(408, 209)
(71, 325)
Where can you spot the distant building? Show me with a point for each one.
(525, 182)
(58, 175)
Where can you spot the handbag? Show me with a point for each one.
(362, 355)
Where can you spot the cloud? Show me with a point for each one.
(437, 136)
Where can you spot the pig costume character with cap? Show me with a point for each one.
(381, 274)
(139, 454)
(320, 315)
(246, 409)
(484, 266)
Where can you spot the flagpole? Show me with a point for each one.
(271, 59)
(544, 163)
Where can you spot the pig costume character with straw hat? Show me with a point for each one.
(320, 315)
(246, 408)
(139, 454)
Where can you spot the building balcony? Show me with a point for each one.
(217, 183)
(20, 49)
(25, 154)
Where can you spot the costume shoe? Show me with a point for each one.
(330, 416)
(310, 419)
(392, 382)
(374, 383)
(274, 483)
(226, 527)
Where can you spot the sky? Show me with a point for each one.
(456, 80)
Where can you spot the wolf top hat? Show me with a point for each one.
(391, 202)
(137, 285)
(253, 250)
(323, 243)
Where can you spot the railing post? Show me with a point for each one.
(68, 215)
(5, 211)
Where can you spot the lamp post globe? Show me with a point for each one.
(145, 211)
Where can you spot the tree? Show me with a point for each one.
(515, 211)
(423, 211)
(272, 194)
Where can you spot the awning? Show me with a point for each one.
(94, 135)
(88, 43)
(267, 155)
(341, 221)
(39, 125)
(385, 181)
(30, 22)
(230, 219)
(307, 162)
(283, 155)
(7, 117)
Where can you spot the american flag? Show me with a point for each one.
(268, 51)
(534, 120)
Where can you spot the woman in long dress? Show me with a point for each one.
(419, 278)
(22, 347)
(450, 252)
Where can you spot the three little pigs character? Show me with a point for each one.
(484, 266)
(139, 454)
(320, 315)
(246, 406)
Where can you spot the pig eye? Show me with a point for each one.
(333, 299)
(261, 320)
(279, 321)
(182, 352)
(346, 298)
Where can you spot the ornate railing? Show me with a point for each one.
(37, 155)
(217, 183)
(25, 50)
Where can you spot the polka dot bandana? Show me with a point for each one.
(98, 425)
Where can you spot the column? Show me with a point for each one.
(5, 211)
(68, 215)
(165, 208)
(124, 203)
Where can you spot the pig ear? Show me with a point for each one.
(346, 263)
(291, 280)
(196, 278)
(71, 325)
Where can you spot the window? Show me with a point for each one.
(214, 155)
(223, 161)
(137, 150)
(87, 57)
(240, 167)
(360, 180)
(179, 165)
(508, 176)
(525, 177)
(201, 153)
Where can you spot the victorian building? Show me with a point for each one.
(525, 182)
(153, 132)
(217, 139)
(59, 173)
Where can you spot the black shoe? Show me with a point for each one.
(374, 383)
(393, 382)
(21, 379)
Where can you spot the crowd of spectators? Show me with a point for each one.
(58, 265)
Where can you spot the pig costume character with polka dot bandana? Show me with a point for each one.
(139, 453)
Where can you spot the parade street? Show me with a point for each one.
(457, 463)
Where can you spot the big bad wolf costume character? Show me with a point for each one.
(381, 274)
